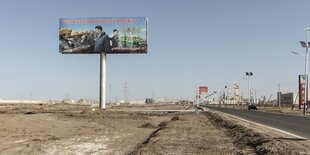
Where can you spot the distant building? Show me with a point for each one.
(68, 101)
(137, 102)
(22, 101)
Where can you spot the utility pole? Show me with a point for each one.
(21, 98)
(126, 92)
(31, 97)
(110, 94)
(153, 93)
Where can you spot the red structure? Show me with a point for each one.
(302, 96)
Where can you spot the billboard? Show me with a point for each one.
(236, 89)
(203, 90)
(112, 35)
(302, 94)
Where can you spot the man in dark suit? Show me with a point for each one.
(114, 38)
(102, 43)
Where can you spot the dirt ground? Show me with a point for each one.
(76, 129)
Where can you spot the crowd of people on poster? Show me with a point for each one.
(87, 41)
(104, 34)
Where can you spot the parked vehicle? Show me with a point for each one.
(149, 101)
(252, 106)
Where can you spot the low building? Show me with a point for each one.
(22, 101)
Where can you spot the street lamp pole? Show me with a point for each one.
(197, 101)
(306, 71)
(306, 45)
(249, 89)
(249, 74)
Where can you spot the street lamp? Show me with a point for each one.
(249, 74)
(306, 45)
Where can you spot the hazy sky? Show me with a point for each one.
(191, 43)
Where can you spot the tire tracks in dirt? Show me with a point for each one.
(145, 142)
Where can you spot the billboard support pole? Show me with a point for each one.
(102, 95)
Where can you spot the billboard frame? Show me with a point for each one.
(103, 58)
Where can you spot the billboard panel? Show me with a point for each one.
(112, 35)
(236, 89)
(203, 90)
(302, 94)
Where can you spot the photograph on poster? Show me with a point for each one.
(112, 35)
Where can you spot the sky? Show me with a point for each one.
(191, 43)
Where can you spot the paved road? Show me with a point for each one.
(298, 125)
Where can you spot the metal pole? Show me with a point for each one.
(102, 95)
(249, 91)
(306, 71)
(255, 97)
(279, 95)
(110, 92)
(197, 104)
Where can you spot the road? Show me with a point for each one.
(298, 125)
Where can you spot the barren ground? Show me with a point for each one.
(76, 129)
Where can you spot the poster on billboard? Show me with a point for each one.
(112, 35)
